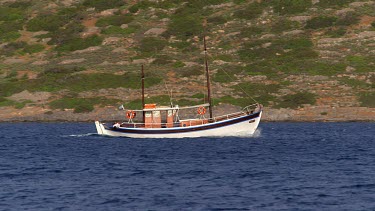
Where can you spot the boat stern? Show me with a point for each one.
(99, 128)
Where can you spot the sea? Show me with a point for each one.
(284, 166)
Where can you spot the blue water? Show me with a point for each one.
(286, 166)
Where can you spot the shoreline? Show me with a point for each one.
(112, 114)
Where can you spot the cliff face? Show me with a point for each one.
(308, 60)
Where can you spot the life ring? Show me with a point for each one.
(130, 114)
(201, 110)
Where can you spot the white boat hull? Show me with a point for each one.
(241, 126)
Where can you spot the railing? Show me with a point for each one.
(193, 122)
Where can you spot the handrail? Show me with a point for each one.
(194, 122)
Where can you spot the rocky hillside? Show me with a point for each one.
(79, 59)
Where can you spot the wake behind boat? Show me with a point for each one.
(165, 122)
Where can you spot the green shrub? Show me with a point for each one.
(80, 105)
(184, 46)
(5, 102)
(101, 5)
(297, 100)
(152, 44)
(187, 20)
(226, 74)
(141, 5)
(355, 83)
(45, 22)
(189, 71)
(66, 34)
(115, 20)
(198, 96)
(282, 25)
(9, 30)
(9, 36)
(323, 68)
(336, 32)
(10, 26)
(333, 3)
(348, 19)
(299, 47)
(11, 48)
(20, 4)
(361, 63)
(11, 14)
(60, 70)
(251, 31)
(80, 43)
(225, 57)
(239, 1)
(178, 64)
(373, 24)
(162, 60)
(367, 99)
(216, 20)
(320, 22)
(53, 21)
(284, 7)
(253, 10)
(116, 30)
(35, 48)
(261, 92)
(18, 105)
(184, 27)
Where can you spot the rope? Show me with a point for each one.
(169, 93)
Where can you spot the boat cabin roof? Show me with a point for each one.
(165, 108)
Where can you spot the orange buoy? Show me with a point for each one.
(130, 114)
(201, 110)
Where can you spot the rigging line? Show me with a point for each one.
(169, 93)
(237, 84)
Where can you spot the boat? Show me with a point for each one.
(165, 121)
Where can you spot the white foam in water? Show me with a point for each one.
(80, 135)
(257, 133)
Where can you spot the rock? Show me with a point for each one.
(344, 11)
(26, 95)
(155, 31)
(39, 33)
(123, 63)
(14, 61)
(108, 12)
(301, 19)
(142, 61)
(294, 32)
(105, 63)
(267, 36)
(349, 69)
(361, 4)
(190, 64)
(219, 62)
(232, 34)
(124, 26)
(366, 34)
(40, 62)
(225, 5)
(89, 49)
(111, 40)
(73, 61)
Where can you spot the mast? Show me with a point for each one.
(208, 78)
(143, 93)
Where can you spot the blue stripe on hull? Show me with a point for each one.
(187, 129)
